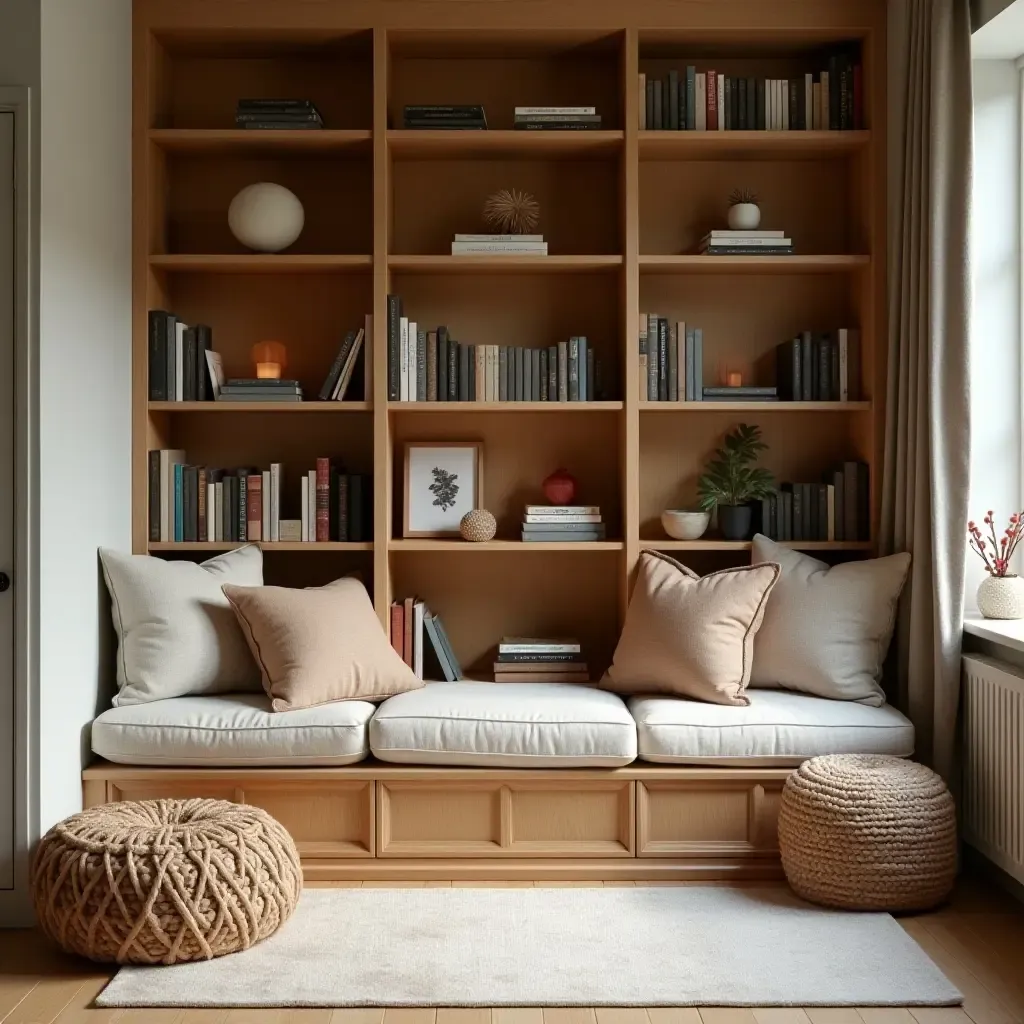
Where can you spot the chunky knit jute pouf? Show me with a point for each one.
(868, 832)
(165, 881)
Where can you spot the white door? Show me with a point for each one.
(7, 753)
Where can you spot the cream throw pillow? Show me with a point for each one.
(827, 628)
(176, 632)
(319, 645)
(690, 635)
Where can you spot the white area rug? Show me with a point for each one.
(643, 946)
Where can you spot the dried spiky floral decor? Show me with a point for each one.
(512, 212)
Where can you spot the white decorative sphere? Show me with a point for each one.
(266, 217)
(1001, 597)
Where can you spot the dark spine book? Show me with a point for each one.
(201, 523)
(522, 659)
(463, 351)
(682, 101)
(765, 511)
(794, 87)
(751, 105)
(172, 362)
(742, 104)
(673, 101)
(157, 356)
(833, 92)
(649, 101)
(574, 370)
(824, 369)
(242, 504)
(471, 383)
(851, 499)
(503, 373)
(821, 496)
(838, 481)
(662, 359)
(226, 519)
(784, 513)
(154, 496)
(863, 502)
(453, 370)
(845, 93)
(807, 367)
(342, 526)
(591, 395)
(691, 97)
(442, 364)
(773, 517)
(810, 499)
(517, 374)
(543, 396)
(658, 90)
(394, 346)
(584, 386)
(552, 384)
(801, 105)
(759, 105)
(798, 512)
(726, 111)
(673, 362)
(356, 509)
(833, 356)
(734, 106)
(331, 380)
(815, 370)
(188, 532)
(204, 342)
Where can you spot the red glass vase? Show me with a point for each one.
(560, 487)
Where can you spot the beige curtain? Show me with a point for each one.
(927, 438)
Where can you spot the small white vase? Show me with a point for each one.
(744, 216)
(1001, 597)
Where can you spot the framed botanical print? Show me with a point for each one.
(443, 481)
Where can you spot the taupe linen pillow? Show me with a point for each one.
(319, 645)
(690, 635)
(827, 628)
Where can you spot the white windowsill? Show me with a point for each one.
(1008, 632)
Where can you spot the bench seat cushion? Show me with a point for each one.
(528, 725)
(237, 729)
(777, 729)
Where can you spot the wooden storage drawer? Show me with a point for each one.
(325, 818)
(491, 818)
(712, 817)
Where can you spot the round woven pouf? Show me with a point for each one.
(165, 881)
(868, 832)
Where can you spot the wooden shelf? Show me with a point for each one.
(218, 141)
(328, 408)
(745, 545)
(426, 544)
(481, 264)
(795, 145)
(753, 264)
(445, 145)
(266, 545)
(712, 407)
(516, 407)
(258, 263)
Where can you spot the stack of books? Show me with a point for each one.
(822, 367)
(497, 245)
(259, 389)
(189, 503)
(339, 376)
(671, 360)
(741, 393)
(523, 659)
(837, 509)
(686, 99)
(557, 119)
(431, 366)
(562, 524)
(181, 360)
(746, 243)
(289, 114)
(419, 638)
(462, 117)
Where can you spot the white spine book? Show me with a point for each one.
(275, 501)
(566, 111)
(410, 386)
(403, 360)
(265, 494)
(305, 510)
(417, 639)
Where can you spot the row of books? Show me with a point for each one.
(523, 659)
(823, 367)
(562, 524)
(419, 638)
(746, 243)
(671, 360)
(430, 366)
(278, 113)
(692, 100)
(181, 359)
(462, 116)
(472, 117)
(518, 245)
(837, 509)
(258, 389)
(189, 503)
(556, 119)
(339, 376)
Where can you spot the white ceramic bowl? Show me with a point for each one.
(682, 524)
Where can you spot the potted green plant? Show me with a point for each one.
(731, 480)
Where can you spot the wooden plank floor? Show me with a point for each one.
(978, 940)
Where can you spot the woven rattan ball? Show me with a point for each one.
(868, 832)
(478, 525)
(165, 881)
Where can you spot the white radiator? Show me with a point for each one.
(992, 802)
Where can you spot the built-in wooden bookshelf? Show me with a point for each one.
(622, 209)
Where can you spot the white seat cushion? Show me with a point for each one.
(536, 725)
(232, 729)
(776, 729)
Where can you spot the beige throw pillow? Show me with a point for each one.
(827, 628)
(176, 634)
(319, 645)
(690, 635)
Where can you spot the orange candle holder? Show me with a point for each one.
(734, 379)
(271, 358)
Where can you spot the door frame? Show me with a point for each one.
(15, 905)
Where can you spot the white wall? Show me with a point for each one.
(996, 284)
(84, 370)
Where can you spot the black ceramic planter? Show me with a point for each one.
(734, 521)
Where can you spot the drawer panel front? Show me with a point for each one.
(710, 818)
(549, 819)
(438, 819)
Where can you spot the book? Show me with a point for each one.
(543, 517)
(538, 645)
(157, 349)
(541, 677)
(334, 373)
(397, 632)
(555, 111)
(538, 657)
(642, 348)
(499, 238)
(394, 347)
(570, 665)
(562, 510)
(698, 364)
(441, 647)
(740, 392)
(531, 537)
